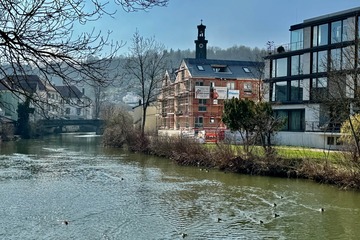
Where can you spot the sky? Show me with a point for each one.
(251, 23)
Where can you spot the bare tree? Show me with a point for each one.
(40, 37)
(338, 90)
(145, 67)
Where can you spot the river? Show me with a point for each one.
(70, 187)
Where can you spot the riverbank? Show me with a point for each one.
(336, 170)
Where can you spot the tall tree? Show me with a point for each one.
(145, 68)
(23, 124)
(40, 37)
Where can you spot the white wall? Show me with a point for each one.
(305, 139)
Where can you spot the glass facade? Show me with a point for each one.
(296, 65)
(306, 77)
(319, 61)
(296, 39)
(320, 35)
(287, 91)
(279, 67)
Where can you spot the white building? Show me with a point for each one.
(302, 79)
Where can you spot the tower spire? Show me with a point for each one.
(200, 43)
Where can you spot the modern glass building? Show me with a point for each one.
(313, 82)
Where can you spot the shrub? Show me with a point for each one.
(118, 126)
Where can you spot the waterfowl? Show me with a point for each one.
(276, 215)
(275, 205)
(65, 222)
(183, 235)
(322, 209)
(219, 220)
(261, 221)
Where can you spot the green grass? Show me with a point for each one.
(309, 153)
(295, 152)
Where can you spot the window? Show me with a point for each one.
(335, 59)
(296, 65)
(296, 39)
(318, 88)
(230, 85)
(279, 67)
(212, 120)
(296, 90)
(182, 74)
(336, 32)
(78, 111)
(247, 87)
(319, 61)
(67, 111)
(199, 122)
(202, 101)
(294, 119)
(212, 84)
(202, 108)
(220, 68)
(200, 68)
(320, 35)
(287, 91)
(348, 30)
(279, 93)
(342, 58)
(247, 70)
(333, 141)
(199, 83)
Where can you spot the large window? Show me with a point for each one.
(279, 92)
(199, 122)
(294, 119)
(287, 91)
(296, 90)
(343, 30)
(342, 58)
(296, 65)
(335, 59)
(279, 67)
(319, 61)
(296, 39)
(320, 35)
(336, 32)
(230, 85)
(319, 88)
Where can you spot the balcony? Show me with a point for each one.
(316, 126)
(272, 50)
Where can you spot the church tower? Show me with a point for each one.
(200, 43)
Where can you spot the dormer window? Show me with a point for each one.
(220, 68)
(200, 68)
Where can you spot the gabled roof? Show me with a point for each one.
(229, 69)
(69, 91)
(28, 83)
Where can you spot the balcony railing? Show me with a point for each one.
(316, 126)
(285, 48)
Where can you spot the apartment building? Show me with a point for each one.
(192, 98)
(312, 82)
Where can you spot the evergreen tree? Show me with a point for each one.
(23, 124)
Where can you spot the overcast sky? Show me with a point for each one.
(228, 22)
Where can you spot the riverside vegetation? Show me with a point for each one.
(330, 167)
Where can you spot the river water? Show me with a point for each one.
(111, 194)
